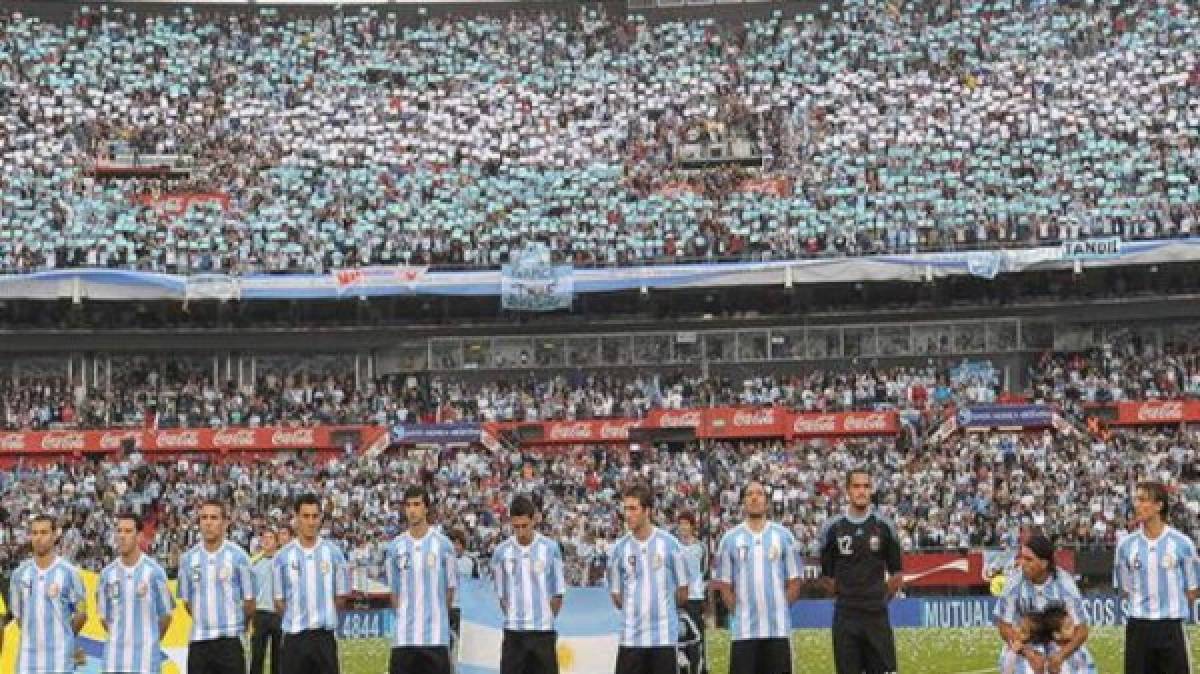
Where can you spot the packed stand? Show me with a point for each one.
(348, 140)
(178, 394)
(1125, 370)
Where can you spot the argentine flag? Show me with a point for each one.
(587, 631)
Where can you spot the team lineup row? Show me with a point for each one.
(656, 582)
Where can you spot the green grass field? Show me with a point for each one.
(951, 651)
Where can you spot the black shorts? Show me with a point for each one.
(653, 660)
(216, 656)
(1155, 647)
(863, 642)
(419, 660)
(761, 656)
(309, 652)
(529, 653)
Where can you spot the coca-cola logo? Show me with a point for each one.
(64, 442)
(614, 431)
(816, 425)
(679, 419)
(579, 431)
(866, 423)
(12, 442)
(178, 439)
(295, 436)
(111, 441)
(755, 418)
(241, 437)
(1167, 411)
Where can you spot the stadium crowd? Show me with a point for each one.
(353, 138)
(145, 393)
(970, 491)
(180, 396)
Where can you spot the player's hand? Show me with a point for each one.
(1036, 662)
(1054, 663)
(894, 585)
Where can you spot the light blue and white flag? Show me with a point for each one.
(587, 631)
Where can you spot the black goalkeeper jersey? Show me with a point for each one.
(859, 555)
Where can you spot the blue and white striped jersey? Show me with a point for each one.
(43, 602)
(759, 566)
(132, 600)
(646, 575)
(526, 579)
(1156, 575)
(1024, 597)
(309, 581)
(215, 586)
(421, 573)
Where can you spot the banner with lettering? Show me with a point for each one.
(184, 439)
(532, 282)
(1157, 412)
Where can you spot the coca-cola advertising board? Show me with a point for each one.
(175, 439)
(736, 422)
(1157, 412)
(826, 424)
(714, 423)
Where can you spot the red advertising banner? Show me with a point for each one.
(178, 203)
(1157, 412)
(733, 422)
(817, 424)
(587, 432)
(182, 439)
(714, 423)
(943, 569)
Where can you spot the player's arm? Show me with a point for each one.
(894, 561)
(1120, 578)
(184, 588)
(1191, 575)
(164, 604)
(827, 582)
(497, 566)
(723, 577)
(793, 566)
(558, 580)
(102, 605)
(450, 568)
(1078, 637)
(79, 598)
(614, 579)
(341, 581)
(246, 580)
(277, 585)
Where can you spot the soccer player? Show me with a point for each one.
(422, 579)
(311, 580)
(216, 585)
(758, 575)
(1040, 586)
(135, 604)
(267, 630)
(528, 572)
(1158, 571)
(648, 579)
(860, 566)
(48, 603)
(696, 554)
